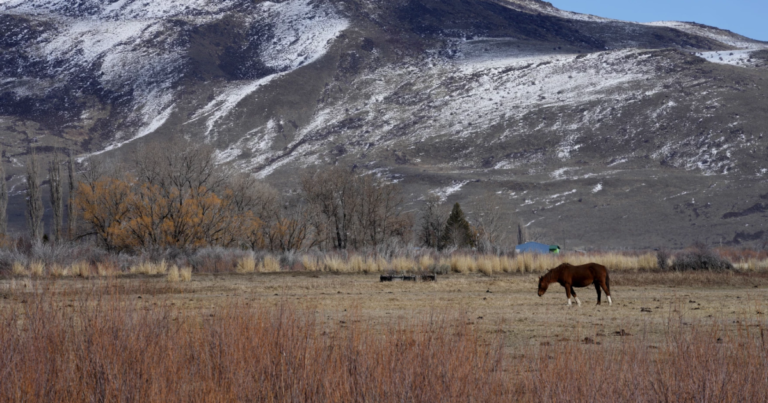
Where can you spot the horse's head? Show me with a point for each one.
(542, 286)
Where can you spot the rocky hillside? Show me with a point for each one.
(598, 133)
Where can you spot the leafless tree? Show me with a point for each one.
(57, 201)
(71, 211)
(378, 212)
(330, 193)
(3, 198)
(537, 235)
(490, 222)
(522, 233)
(34, 199)
(433, 218)
(349, 210)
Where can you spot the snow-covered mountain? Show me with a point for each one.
(599, 132)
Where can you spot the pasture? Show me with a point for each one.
(502, 303)
(534, 337)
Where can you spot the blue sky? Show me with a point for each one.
(745, 17)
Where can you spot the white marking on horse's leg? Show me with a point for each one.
(569, 302)
(609, 300)
(577, 301)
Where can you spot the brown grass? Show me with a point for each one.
(464, 262)
(185, 274)
(694, 364)
(246, 265)
(101, 350)
(101, 347)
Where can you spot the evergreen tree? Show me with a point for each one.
(457, 231)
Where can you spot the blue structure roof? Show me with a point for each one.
(532, 247)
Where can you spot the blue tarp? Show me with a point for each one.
(532, 247)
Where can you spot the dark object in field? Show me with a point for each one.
(406, 277)
(700, 259)
(645, 309)
(570, 276)
(622, 333)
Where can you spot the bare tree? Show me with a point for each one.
(330, 193)
(71, 212)
(34, 199)
(378, 212)
(3, 199)
(433, 218)
(536, 235)
(522, 233)
(57, 201)
(350, 210)
(490, 222)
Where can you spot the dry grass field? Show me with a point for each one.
(511, 340)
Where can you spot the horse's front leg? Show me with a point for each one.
(568, 292)
(573, 292)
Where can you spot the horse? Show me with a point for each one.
(570, 276)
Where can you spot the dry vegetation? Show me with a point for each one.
(246, 262)
(107, 351)
(100, 343)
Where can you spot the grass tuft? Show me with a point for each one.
(185, 274)
(173, 274)
(269, 265)
(245, 265)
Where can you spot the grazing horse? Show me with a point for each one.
(570, 276)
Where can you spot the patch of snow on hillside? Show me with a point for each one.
(228, 99)
(741, 58)
(443, 193)
(303, 33)
(459, 98)
(567, 146)
(597, 187)
(560, 174)
(725, 37)
(547, 8)
(84, 41)
(257, 142)
(120, 9)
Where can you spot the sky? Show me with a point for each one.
(744, 17)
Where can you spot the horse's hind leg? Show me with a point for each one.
(607, 290)
(599, 293)
(573, 292)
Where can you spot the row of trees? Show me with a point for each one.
(34, 205)
(177, 196)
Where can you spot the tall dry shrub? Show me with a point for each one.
(695, 364)
(104, 350)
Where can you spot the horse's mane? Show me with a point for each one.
(552, 275)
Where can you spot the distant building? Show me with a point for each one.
(536, 247)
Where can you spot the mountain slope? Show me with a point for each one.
(599, 132)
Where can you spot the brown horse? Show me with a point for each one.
(570, 276)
